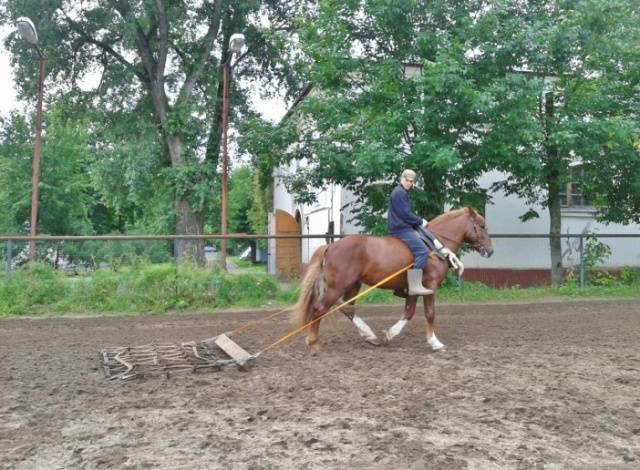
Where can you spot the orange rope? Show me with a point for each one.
(298, 330)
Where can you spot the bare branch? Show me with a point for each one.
(214, 27)
(163, 26)
(239, 59)
(104, 46)
(144, 48)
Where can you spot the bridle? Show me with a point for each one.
(475, 246)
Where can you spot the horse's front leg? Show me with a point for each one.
(409, 311)
(430, 314)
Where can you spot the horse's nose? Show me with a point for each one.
(489, 252)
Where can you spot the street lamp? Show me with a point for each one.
(236, 43)
(28, 32)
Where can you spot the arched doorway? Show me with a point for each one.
(287, 249)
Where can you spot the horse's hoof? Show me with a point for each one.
(375, 342)
(315, 348)
(386, 337)
(435, 344)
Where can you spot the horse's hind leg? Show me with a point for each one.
(350, 312)
(409, 311)
(321, 307)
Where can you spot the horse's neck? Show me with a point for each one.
(450, 232)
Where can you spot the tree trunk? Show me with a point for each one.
(188, 221)
(555, 228)
(553, 186)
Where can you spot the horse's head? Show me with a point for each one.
(476, 234)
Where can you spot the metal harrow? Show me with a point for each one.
(212, 354)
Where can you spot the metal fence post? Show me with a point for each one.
(9, 257)
(581, 261)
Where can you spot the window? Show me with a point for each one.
(573, 194)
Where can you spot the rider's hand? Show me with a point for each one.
(424, 222)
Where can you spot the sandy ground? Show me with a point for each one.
(540, 385)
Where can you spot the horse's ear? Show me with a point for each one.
(472, 212)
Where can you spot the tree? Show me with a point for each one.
(66, 195)
(162, 62)
(453, 89)
(579, 105)
(247, 207)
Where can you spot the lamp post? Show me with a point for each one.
(28, 32)
(236, 42)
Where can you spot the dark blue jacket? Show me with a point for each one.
(400, 218)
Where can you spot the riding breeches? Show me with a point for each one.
(416, 245)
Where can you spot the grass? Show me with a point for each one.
(145, 288)
(165, 287)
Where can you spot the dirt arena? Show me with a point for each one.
(539, 385)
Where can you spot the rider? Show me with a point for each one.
(402, 224)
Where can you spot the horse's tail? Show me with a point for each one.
(312, 288)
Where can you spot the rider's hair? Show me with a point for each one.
(410, 174)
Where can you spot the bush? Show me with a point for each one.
(630, 275)
(31, 288)
(138, 288)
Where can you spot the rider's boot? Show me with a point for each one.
(414, 277)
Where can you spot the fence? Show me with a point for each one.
(13, 243)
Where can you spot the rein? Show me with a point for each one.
(475, 246)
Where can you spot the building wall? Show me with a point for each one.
(502, 217)
(315, 218)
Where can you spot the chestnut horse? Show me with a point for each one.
(339, 270)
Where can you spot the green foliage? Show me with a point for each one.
(16, 152)
(595, 251)
(31, 289)
(257, 213)
(630, 275)
(520, 87)
(140, 288)
(156, 288)
(240, 195)
(150, 135)
(66, 196)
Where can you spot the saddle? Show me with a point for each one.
(428, 238)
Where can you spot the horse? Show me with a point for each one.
(338, 271)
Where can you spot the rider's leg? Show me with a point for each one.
(420, 252)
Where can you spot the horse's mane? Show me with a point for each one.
(455, 213)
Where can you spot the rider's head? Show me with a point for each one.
(408, 179)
